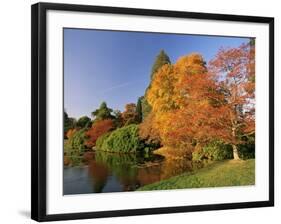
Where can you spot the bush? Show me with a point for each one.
(123, 139)
(101, 140)
(98, 129)
(247, 150)
(216, 150)
(75, 145)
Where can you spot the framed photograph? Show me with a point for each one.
(139, 111)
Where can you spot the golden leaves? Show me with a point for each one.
(191, 104)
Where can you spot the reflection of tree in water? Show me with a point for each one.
(131, 170)
(72, 161)
(165, 170)
(124, 167)
(99, 173)
(173, 167)
(149, 174)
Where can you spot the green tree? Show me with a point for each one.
(83, 122)
(118, 121)
(139, 109)
(161, 59)
(102, 113)
(146, 108)
(69, 122)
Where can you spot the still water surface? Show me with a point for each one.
(111, 172)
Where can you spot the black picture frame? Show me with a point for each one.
(39, 122)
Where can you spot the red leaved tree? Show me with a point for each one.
(98, 129)
(234, 71)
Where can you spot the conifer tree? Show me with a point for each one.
(161, 59)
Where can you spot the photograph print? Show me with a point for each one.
(150, 111)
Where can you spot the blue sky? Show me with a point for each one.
(115, 66)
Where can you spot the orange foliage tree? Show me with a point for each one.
(98, 129)
(182, 98)
(193, 121)
(161, 96)
(193, 106)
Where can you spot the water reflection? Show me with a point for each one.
(96, 172)
(99, 173)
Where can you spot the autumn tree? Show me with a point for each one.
(130, 115)
(102, 113)
(83, 121)
(234, 70)
(251, 63)
(161, 94)
(98, 129)
(180, 96)
(194, 106)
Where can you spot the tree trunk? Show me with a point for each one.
(235, 152)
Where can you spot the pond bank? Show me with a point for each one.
(217, 174)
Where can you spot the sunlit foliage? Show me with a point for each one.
(195, 105)
(189, 106)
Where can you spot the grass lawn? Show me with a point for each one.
(217, 174)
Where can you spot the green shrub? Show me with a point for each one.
(75, 144)
(247, 150)
(125, 139)
(101, 140)
(216, 150)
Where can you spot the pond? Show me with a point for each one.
(97, 172)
